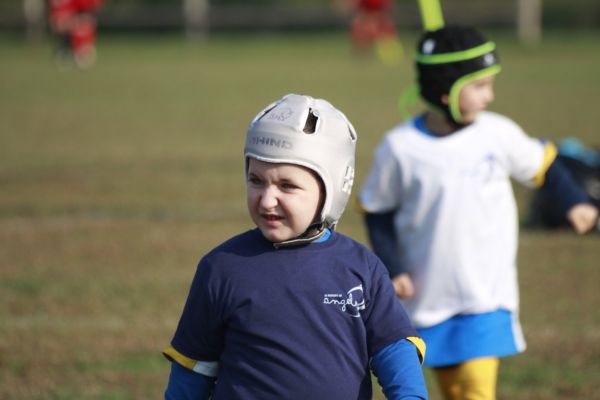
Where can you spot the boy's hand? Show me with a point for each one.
(403, 285)
(583, 217)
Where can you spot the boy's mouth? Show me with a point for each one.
(272, 217)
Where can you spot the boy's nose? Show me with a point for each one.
(268, 198)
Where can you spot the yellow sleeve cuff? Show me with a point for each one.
(550, 153)
(173, 355)
(207, 368)
(420, 344)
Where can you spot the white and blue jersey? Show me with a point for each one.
(456, 224)
(299, 322)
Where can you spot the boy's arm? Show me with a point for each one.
(383, 238)
(185, 384)
(398, 370)
(572, 200)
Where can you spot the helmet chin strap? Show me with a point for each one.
(443, 114)
(314, 232)
(451, 111)
(456, 125)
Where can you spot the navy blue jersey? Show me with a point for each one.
(296, 323)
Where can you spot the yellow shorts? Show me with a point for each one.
(472, 380)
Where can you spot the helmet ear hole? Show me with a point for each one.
(311, 122)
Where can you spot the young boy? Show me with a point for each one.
(293, 309)
(442, 216)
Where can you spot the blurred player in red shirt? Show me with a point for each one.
(373, 28)
(74, 24)
(373, 20)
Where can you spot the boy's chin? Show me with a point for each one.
(276, 236)
(469, 118)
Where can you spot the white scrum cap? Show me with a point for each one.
(310, 132)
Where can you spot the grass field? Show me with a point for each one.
(114, 181)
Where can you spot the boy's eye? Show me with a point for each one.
(288, 186)
(254, 180)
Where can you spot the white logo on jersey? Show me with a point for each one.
(353, 302)
(483, 170)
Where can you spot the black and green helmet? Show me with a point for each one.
(449, 58)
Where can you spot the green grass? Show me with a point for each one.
(114, 181)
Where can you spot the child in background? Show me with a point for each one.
(373, 30)
(372, 21)
(73, 22)
(293, 309)
(61, 14)
(583, 164)
(441, 213)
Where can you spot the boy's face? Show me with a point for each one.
(475, 97)
(283, 199)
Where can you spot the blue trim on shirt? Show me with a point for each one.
(419, 122)
(399, 371)
(185, 384)
(325, 236)
(468, 336)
